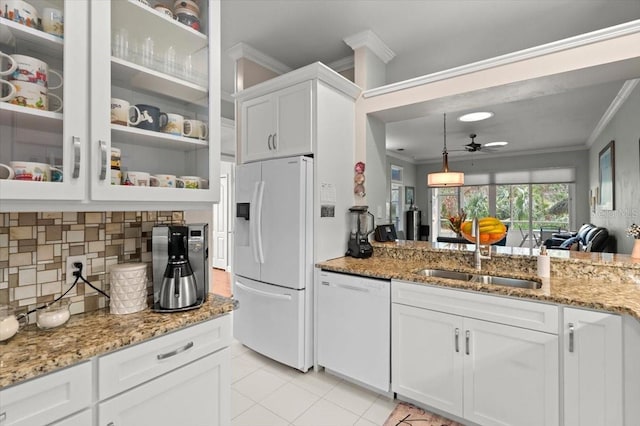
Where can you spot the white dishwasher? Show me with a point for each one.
(354, 323)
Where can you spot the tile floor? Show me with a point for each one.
(266, 393)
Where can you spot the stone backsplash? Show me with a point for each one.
(34, 249)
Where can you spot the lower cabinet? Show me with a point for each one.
(482, 371)
(83, 418)
(593, 366)
(196, 394)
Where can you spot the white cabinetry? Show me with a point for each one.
(57, 139)
(470, 366)
(278, 124)
(592, 357)
(95, 70)
(47, 399)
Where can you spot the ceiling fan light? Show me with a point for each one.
(499, 143)
(475, 116)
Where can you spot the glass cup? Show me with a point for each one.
(170, 61)
(147, 52)
(120, 45)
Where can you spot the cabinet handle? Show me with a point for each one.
(3, 416)
(103, 160)
(269, 142)
(571, 336)
(457, 340)
(76, 157)
(176, 352)
(275, 146)
(111, 424)
(467, 335)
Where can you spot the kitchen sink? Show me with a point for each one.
(482, 279)
(441, 273)
(509, 282)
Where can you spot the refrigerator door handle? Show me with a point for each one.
(253, 223)
(263, 293)
(260, 196)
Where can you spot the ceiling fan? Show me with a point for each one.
(473, 146)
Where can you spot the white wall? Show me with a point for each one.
(576, 159)
(624, 129)
(376, 171)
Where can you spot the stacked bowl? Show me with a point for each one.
(187, 12)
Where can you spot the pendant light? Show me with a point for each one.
(445, 178)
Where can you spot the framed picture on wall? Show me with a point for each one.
(409, 195)
(606, 177)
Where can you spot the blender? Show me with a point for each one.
(362, 225)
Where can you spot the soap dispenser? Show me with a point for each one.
(544, 263)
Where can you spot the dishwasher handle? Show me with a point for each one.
(346, 287)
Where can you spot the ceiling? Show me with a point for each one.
(433, 35)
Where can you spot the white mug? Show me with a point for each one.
(121, 113)
(33, 70)
(189, 182)
(6, 172)
(11, 68)
(116, 177)
(53, 21)
(32, 95)
(30, 171)
(195, 129)
(174, 124)
(136, 178)
(163, 181)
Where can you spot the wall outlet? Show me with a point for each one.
(70, 261)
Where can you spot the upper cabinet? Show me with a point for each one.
(292, 114)
(278, 124)
(140, 116)
(44, 109)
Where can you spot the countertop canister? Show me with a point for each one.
(128, 288)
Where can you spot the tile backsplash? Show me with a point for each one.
(34, 249)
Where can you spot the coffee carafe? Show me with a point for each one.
(178, 288)
(362, 225)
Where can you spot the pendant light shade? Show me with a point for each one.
(445, 178)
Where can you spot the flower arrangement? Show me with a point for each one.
(455, 222)
(634, 231)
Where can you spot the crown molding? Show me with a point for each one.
(399, 156)
(342, 64)
(615, 105)
(609, 33)
(370, 40)
(243, 50)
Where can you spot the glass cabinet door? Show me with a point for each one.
(155, 101)
(44, 107)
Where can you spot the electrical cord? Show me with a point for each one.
(78, 275)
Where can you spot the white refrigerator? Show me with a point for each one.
(273, 274)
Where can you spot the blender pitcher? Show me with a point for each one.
(362, 225)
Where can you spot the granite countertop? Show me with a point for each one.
(32, 352)
(597, 288)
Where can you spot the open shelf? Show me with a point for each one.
(137, 76)
(39, 41)
(135, 136)
(32, 118)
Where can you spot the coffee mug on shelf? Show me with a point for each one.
(33, 70)
(31, 171)
(204, 183)
(136, 178)
(33, 95)
(52, 21)
(121, 113)
(174, 124)
(152, 118)
(116, 177)
(12, 91)
(195, 129)
(163, 181)
(56, 173)
(12, 64)
(189, 182)
(6, 172)
(20, 11)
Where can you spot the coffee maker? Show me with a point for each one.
(361, 228)
(180, 268)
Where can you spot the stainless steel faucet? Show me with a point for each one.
(477, 255)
